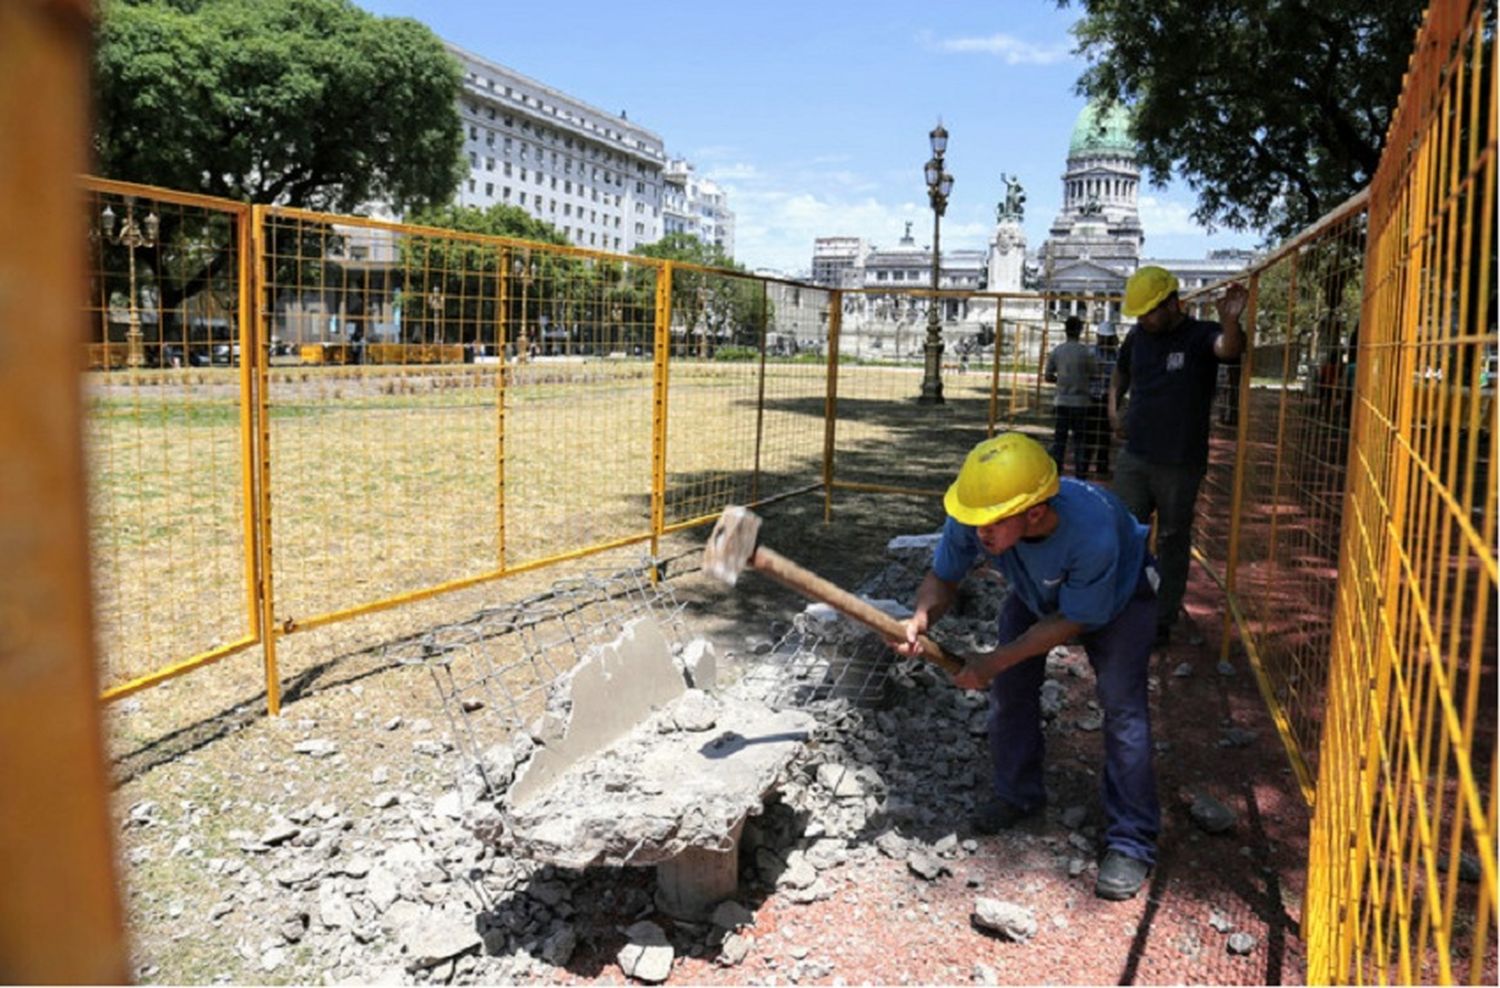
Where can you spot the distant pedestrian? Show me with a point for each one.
(1098, 434)
(1070, 366)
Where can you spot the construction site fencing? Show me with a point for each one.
(168, 420)
(1401, 876)
(886, 436)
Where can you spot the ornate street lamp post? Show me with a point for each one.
(523, 271)
(939, 185)
(131, 236)
(435, 306)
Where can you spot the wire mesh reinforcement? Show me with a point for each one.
(493, 670)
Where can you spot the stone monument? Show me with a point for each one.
(1008, 245)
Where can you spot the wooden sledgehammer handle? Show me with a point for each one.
(808, 584)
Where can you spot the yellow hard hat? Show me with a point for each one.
(1001, 477)
(1147, 289)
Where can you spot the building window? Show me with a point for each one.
(473, 132)
(489, 188)
(489, 164)
(507, 170)
(471, 185)
(507, 193)
(473, 160)
(523, 198)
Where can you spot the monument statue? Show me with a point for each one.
(1013, 206)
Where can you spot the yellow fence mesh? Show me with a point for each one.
(1271, 500)
(1402, 873)
(167, 430)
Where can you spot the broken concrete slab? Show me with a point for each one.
(640, 769)
(601, 699)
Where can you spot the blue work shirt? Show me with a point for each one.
(1087, 569)
(1172, 377)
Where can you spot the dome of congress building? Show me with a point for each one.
(1102, 129)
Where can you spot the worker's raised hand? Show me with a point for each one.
(1232, 303)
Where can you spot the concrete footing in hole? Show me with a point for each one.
(690, 885)
(632, 765)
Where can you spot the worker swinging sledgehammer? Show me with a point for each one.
(1076, 563)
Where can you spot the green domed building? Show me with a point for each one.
(1095, 242)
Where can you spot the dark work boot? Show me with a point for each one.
(1120, 876)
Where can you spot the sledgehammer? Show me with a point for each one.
(734, 545)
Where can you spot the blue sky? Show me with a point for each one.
(814, 116)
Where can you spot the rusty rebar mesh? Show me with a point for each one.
(493, 670)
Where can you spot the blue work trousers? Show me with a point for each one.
(1120, 653)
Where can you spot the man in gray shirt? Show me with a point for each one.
(1070, 366)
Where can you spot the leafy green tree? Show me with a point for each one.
(1274, 111)
(309, 103)
(556, 299)
(714, 305)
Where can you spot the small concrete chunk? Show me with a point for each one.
(648, 956)
(841, 781)
(925, 865)
(735, 949)
(701, 664)
(431, 936)
(1241, 943)
(316, 747)
(1005, 918)
(695, 711)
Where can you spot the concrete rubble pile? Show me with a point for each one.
(397, 889)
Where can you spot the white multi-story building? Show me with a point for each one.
(595, 176)
(839, 262)
(696, 206)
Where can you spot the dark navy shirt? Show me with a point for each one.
(1086, 570)
(1171, 385)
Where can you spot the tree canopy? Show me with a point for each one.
(311, 103)
(715, 308)
(1274, 111)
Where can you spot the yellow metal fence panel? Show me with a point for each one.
(1402, 874)
(1273, 493)
(476, 405)
(731, 349)
(167, 437)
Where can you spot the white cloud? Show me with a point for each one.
(1168, 217)
(775, 228)
(1013, 51)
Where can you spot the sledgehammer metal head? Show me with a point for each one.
(731, 544)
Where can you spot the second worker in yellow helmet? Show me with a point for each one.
(1169, 366)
